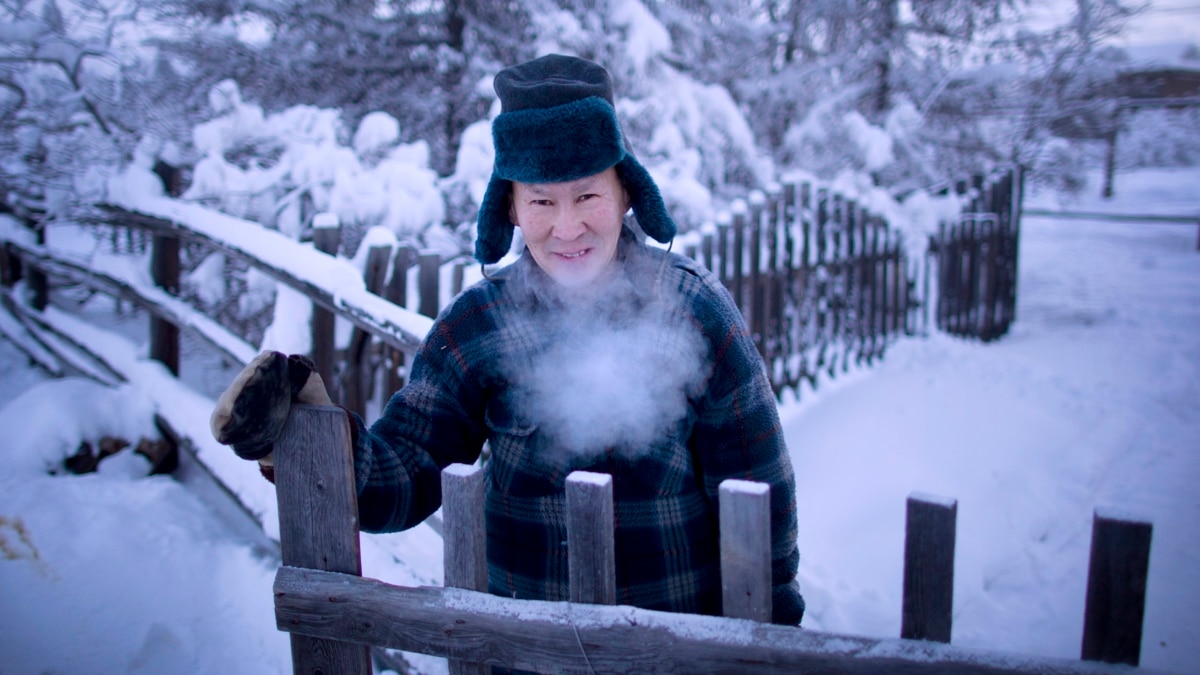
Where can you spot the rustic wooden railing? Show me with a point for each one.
(376, 311)
(332, 613)
(822, 282)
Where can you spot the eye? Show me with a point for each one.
(587, 196)
(541, 202)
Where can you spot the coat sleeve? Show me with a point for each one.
(433, 421)
(738, 435)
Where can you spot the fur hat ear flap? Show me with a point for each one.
(647, 202)
(494, 229)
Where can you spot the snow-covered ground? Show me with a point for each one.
(1092, 401)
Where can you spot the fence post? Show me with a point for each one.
(745, 526)
(591, 553)
(929, 568)
(164, 270)
(39, 286)
(358, 375)
(427, 284)
(457, 278)
(326, 239)
(318, 521)
(723, 224)
(10, 266)
(1116, 589)
(397, 294)
(739, 257)
(465, 540)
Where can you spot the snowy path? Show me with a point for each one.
(1091, 401)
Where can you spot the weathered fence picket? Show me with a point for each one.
(926, 613)
(591, 551)
(464, 540)
(1116, 588)
(318, 524)
(745, 531)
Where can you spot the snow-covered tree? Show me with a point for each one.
(61, 99)
(415, 60)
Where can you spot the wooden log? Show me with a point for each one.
(465, 548)
(927, 610)
(551, 637)
(591, 552)
(1116, 588)
(318, 522)
(745, 526)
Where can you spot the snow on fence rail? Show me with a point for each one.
(333, 614)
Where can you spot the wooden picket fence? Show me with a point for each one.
(822, 282)
(333, 614)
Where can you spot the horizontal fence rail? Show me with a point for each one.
(1120, 218)
(332, 612)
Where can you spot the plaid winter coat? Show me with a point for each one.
(654, 382)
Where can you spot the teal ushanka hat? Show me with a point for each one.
(558, 123)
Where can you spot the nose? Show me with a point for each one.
(569, 224)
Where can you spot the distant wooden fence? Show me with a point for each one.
(333, 613)
(822, 282)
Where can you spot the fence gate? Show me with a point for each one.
(977, 258)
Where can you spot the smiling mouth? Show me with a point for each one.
(573, 256)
